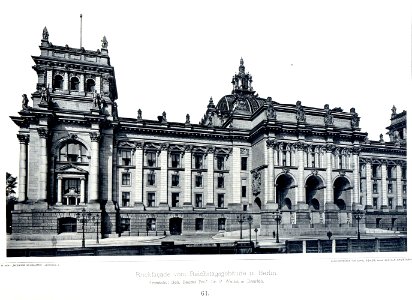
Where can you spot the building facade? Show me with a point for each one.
(248, 156)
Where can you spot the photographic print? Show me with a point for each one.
(199, 132)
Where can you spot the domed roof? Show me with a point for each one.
(239, 103)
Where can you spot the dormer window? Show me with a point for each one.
(58, 82)
(74, 84)
(90, 85)
(73, 152)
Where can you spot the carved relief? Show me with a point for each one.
(94, 136)
(43, 132)
(244, 151)
(256, 183)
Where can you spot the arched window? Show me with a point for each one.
(74, 84)
(58, 82)
(73, 152)
(90, 85)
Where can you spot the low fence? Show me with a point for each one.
(347, 245)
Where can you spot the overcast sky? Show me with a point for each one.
(174, 55)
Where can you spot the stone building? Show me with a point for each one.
(248, 156)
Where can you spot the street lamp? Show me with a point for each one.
(83, 216)
(241, 219)
(250, 221)
(256, 231)
(97, 227)
(358, 216)
(278, 217)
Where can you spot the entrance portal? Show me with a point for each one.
(175, 226)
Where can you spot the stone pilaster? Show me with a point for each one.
(163, 175)
(82, 190)
(81, 84)
(59, 190)
(301, 168)
(384, 185)
(43, 133)
(66, 82)
(399, 198)
(49, 79)
(187, 177)
(369, 204)
(24, 140)
(209, 181)
(138, 178)
(98, 84)
(94, 168)
(270, 180)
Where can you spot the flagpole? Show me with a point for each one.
(81, 23)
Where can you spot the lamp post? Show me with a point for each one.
(256, 232)
(358, 216)
(278, 217)
(241, 219)
(250, 221)
(97, 226)
(83, 216)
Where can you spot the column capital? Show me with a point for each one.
(271, 143)
(23, 138)
(188, 148)
(400, 163)
(139, 145)
(300, 146)
(43, 132)
(329, 148)
(164, 147)
(59, 177)
(94, 136)
(356, 150)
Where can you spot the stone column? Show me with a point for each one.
(301, 168)
(163, 175)
(98, 84)
(235, 174)
(399, 198)
(94, 168)
(384, 174)
(24, 140)
(329, 185)
(59, 190)
(280, 154)
(66, 81)
(49, 79)
(270, 182)
(288, 151)
(43, 133)
(138, 178)
(356, 179)
(82, 190)
(187, 177)
(369, 204)
(209, 179)
(317, 158)
(275, 155)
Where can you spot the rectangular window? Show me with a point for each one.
(220, 182)
(389, 172)
(198, 161)
(151, 224)
(390, 202)
(198, 181)
(151, 159)
(390, 188)
(378, 222)
(221, 200)
(221, 224)
(175, 199)
(404, 189)
(175, 180)
(374, 171)
(361, 186)
(125, 224)
(244, 194)
(375, 188)
(199, 224)
(126, 178)
(151, 178)
(220, 162)
(151, 199)
(244, 163)
(404, 173)
(284, 153)
(71, 185)
(125, 198)
(175, 160)
(375, 203)
(126, 157)
(404, 203)
(244, 207)
(312, 158)
(199, 200)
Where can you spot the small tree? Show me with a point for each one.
(11, 183)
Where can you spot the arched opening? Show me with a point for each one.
(314, 187)
(58, 82)
(284, 191)
(175, 226)
(341, 192)
(74, 84)
(73, 152)
(90, 85)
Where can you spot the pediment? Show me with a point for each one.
(70, 168)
